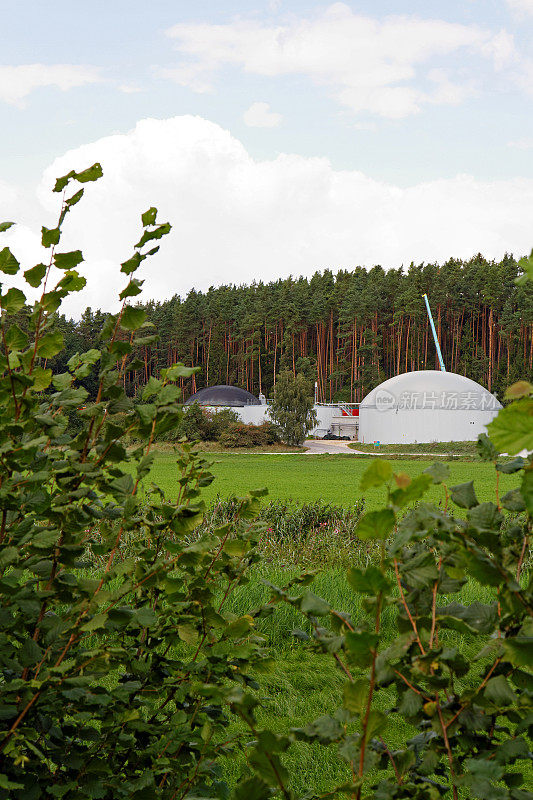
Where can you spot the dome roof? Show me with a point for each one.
(223, 395)
(430, 389)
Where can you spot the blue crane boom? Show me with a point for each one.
(437, 345)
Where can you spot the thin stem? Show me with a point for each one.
(406, 607)
(448, 748)
(434, 606)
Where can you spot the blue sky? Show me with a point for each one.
(391, 97)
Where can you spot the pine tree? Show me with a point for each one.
(293, 407)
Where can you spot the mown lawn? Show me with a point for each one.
(331, 478)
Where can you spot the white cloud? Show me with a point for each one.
(526, 143)
(236, 219)
(521, 6)
(129, 88)
(259, 115)
(195, 76)
(17, 82)
(370, 65)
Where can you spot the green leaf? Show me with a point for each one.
(251, 789)
(313, 605)
(8, 263)
(485, 448)
(361, 646)
(499, 692)
(72, 282)
(145, 617)
(411, 493)
(526, 263)
(132, 318)
(30, 653)
(177, 371)
(519, 650)
(420, 570)
(35, 275)
(16, 339)
(439, 473)
(510, 467)
(526, 490)
(513, 501)
(474, 618)
(146, 412)
(90, 174)
(68, 260)
(512, 430)
(132, 264)
(13, 300)
(485, 517)
(148, 236)
(63, 181)
(41, 378)
(376, 524)
(376, 724)
(355, 695)
(50, 344)
(410, 704)
(76, 197)
(463, 495)
(4, 226)
(149, 217)
(95, 623)
(371, 581)
(50, 236)
(132, 289)
(378, 473)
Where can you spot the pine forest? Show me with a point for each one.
(348, 330)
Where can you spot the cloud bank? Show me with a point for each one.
(238, 220)
(17, 82)
(389, 67)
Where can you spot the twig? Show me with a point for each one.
(406, 607)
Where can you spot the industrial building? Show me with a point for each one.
(426, 406)
(336, 418)
(224, 396)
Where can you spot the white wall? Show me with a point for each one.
(408, 426)
(258, 414)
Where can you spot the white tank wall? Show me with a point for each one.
(258, 414)
(426, 406)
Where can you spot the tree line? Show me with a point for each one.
(348, 331)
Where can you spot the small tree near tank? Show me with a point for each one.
(293, 407)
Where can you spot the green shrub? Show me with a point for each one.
(121, 681)
(239, 434)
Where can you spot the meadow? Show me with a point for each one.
(305, 479)
(304, 685)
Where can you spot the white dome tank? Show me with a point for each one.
(426, 406)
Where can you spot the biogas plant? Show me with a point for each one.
(422, 406)
(426, 406)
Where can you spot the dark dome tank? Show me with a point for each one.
(223, 395)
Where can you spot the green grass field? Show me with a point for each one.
(305, 685)
(330, 478)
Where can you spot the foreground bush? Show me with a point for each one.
(116, 683)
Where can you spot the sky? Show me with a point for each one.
(277, 137)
